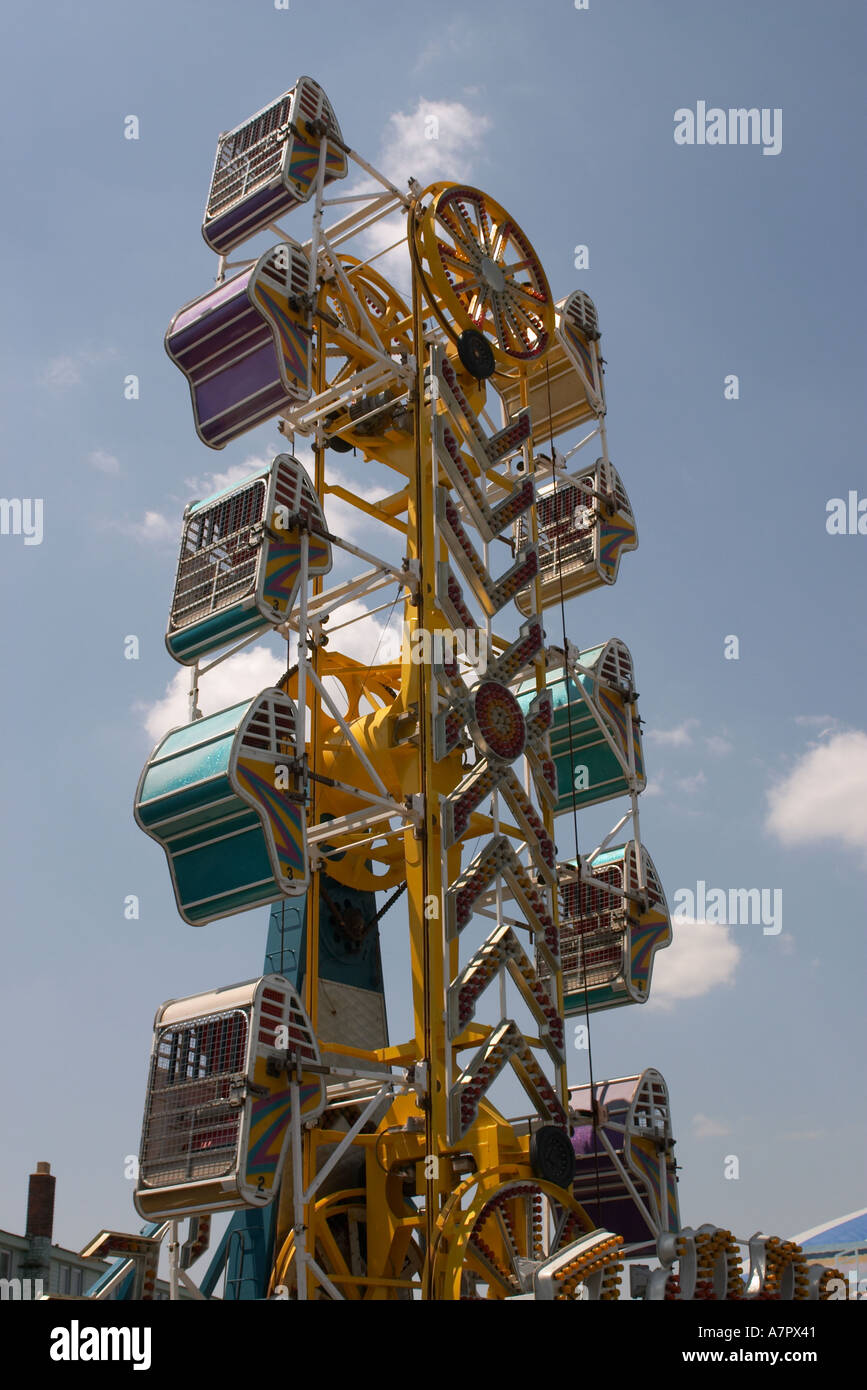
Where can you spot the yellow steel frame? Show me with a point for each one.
(431, 1240)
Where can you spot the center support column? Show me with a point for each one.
(423, 845)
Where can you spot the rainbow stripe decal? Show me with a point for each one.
(285, 818)
(268, 1121)
(612, 705)
(282, 574)
(581, 348)
(645, 1161)
(653, 931)
(293, 341)
(318, 553)
(269, 1117)
(283, 569)
(611, 540)
(304, 163)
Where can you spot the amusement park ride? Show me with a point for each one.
(354, 1167)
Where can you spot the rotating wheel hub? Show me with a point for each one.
(480, 272)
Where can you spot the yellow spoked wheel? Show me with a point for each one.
(337, 1238)
(479, 271)
(494, 1222)
(383, 321)
(379, 864)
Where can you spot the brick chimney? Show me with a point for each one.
(40, 1202)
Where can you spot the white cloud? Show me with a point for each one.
(438, 140)
(62, 371)
(103, 462)
(68, 369)
(153, 529)
(156, 528)
(394, 264)
(718, 746)
(240, 677)
(342, 518)
(453, 42)
(678, 737)
(702, 956)
(824, 797)
(706, 1127)
(671, 788)
(369, 639)
(372, 638)
(690, 785)
(209, 483)
(349, 522)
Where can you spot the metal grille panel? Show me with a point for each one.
(566, 528)
(192, 1124)
(611, 481)
(616, 665)
(653, 886)
(294, 491)
(271, 728)
(582, 313)
(650, 1109)
(570, 514)
(593, 923)
(217, 566)
(251, 156)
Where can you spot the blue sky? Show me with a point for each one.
(703, 261)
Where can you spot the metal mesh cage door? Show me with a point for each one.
(585, 524)
(217, 565)
(220, 1097)
(593, 937)
(608, 940)
(267, 165)
(192, 1124)
(241, 566)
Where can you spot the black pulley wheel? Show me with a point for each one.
(476, 353)
(340, 446)
(552, 1157)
